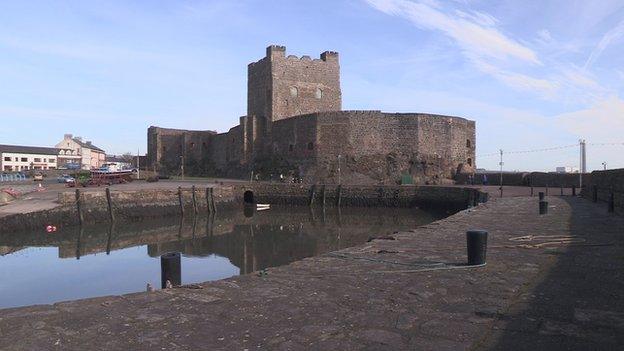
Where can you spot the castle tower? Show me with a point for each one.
(279, 87)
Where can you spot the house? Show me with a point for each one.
(74, 151)
(16, 158)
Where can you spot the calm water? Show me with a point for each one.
(40, 267)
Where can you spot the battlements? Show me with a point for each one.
(278, 51)
(329, 56)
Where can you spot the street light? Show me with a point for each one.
(604, 165)
(182, 166)
(339, 156)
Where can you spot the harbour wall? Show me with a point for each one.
(144, 204)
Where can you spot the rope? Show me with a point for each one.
(437, 266)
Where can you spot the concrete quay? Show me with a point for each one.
(561, 291)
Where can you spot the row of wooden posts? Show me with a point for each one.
(324, 195)
(210, 203)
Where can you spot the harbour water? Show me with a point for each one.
(72, 263)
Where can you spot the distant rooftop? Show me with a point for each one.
(37, 150)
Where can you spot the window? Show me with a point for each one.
(291, 147)
(318, 94)
(192, 145)
(37, 159)
(310, 146)
(52, 160)
(469, 162)
(204, 145)
(16, 159)
(7, 159)
(24, 159)
(468, 143)
(294, 92)
(45, 160)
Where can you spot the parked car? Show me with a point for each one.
(65, 178)
(38, 177)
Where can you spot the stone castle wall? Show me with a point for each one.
(165, 146)
(295, 127)
(280, 87)
(375, 147)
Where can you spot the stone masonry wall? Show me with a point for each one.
(165, 146)
(606, 183)
(375, 147)
(280, 87)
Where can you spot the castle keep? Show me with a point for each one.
(295, 126)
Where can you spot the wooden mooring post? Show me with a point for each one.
(79, 207)
(338, 195)
(208, 203)
(212, 201)
(312, 194)
(194, 201)
(181, 201)
(109, 201)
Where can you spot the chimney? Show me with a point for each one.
(67, 136)
(88, 142)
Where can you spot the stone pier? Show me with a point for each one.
(552, 282)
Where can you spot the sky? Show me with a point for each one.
(532, 74)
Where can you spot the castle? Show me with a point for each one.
(295, 127)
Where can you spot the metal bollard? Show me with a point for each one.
(476, 244)
(562, 190)
(611, 202)
(541, 196)
(546, 189)
(531, 191)
(171, 269)
(543, 207)
(573, 190)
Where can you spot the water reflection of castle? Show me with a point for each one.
(267, 239)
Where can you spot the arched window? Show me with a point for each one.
(192, 145)
(469, 162)
(204, 145)
(310, 146)
(294, 92)
(319, 93)
(468, 143)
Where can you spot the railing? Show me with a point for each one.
(12, 177)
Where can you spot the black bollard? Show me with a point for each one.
(562, 190)
(573, 190)
(171, 269)
(543, 207)
(541, 196)
(476, 243)
(595, 193)
(531, 191)
(546, 189)
(611, 202)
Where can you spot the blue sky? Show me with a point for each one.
(533, 74)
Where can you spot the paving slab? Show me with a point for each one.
(562, 291)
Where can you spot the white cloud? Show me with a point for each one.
(608, 38)
(468, 31)
(602, 122)
(519, 81)
(544, 36)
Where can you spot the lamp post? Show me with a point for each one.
(339, 156)
(604, 166)
(182, 166)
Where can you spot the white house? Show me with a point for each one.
(74, 150)
(15, 158)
